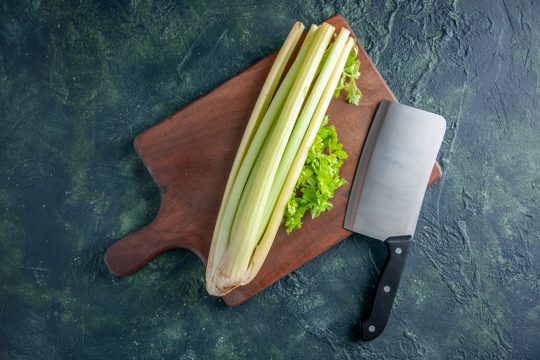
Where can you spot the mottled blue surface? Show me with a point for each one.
(80, 79)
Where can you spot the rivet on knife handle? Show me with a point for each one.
(398, 248)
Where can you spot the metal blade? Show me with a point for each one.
(393, 171)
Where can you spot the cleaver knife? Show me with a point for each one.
(388, 190)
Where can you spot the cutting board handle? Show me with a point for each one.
(135, 250)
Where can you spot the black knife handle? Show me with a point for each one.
(398, 248)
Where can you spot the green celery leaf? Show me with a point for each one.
(318, 180)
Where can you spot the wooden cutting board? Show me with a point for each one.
(190, 153)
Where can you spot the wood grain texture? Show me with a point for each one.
(190, 153)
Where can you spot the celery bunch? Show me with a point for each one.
(281, 130)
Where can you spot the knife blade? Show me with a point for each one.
(388, 190)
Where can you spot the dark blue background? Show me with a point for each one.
(80, 79)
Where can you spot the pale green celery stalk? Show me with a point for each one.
(265, 96)
(267, 239)
(237, 188)
(245, 158)
(281, 178)
(303, 123)
(243, 239)
(265, 126)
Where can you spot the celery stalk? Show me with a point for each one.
(243, 239)
(303, 122)
(262, 133)
(244, 162)
(265, 243)
(280, 131)
(324, 71)
(260, 108)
